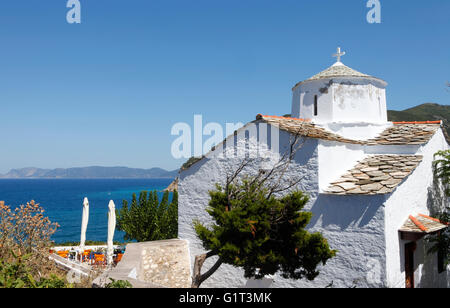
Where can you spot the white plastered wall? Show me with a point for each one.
(346, 100)
(359, 101)
(353, 225)
(412, 198)
(303, 101)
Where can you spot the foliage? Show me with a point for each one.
(191, 161)
(441, 242)
(147, 219)
(25, 228)
(18, 274)
(119, 284)
(25, 231)
(24, 248)
(261, 233)
(441, 167)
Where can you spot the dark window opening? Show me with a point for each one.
(409, 264)
(441, 261)
(315, 105)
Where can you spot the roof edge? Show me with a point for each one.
(384, 82)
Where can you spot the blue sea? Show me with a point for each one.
(62, 200)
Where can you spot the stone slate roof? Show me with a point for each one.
(407, 133)
(422, 224)
(377, 174)
(335, 71)
(338, 70)
(304, 128)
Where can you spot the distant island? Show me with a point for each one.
(89, 173)
(424, 112)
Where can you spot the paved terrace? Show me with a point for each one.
(158, 264)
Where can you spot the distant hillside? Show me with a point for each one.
(90, 172)
(425, 112)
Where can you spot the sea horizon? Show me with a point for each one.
(62, 200)
(100, 178)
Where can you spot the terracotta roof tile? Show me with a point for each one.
(375, 175)
(422, 224)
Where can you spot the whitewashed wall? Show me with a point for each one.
(359, 101)
(335, 159)
(353, 225)
(357, 131)
(341, 100)
(303, 101)
(364, 229)
(412, 198)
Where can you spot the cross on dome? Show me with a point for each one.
(339, 54)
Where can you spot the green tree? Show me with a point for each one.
(441, 167)
(259, 224)
(147, 219)
(261, 234)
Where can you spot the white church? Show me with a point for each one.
(370, 182)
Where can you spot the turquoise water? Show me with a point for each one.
(62, 200)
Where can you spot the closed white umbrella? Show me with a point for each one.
(84, 223)
(111, 228)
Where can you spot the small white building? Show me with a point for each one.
(370, 183)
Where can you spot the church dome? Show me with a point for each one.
(339, 70)
(340, 94)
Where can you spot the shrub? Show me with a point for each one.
(118, 284)
(24, 248)
(147, 219)
(24, 229)
(18, 274)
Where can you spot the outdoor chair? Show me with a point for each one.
(86, 256)
(63, 253)
(118, 258)
(99, 260)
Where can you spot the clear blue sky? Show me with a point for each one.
(107, 91)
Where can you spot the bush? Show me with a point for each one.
(24, 229)
(118, 284)
(18, 274)
(24, 248)
(147, 219)
(441, 241)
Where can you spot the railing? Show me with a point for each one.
(91, 255)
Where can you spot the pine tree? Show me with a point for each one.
(259, 224)
(260, 233)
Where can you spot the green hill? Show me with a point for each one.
(424, 112)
